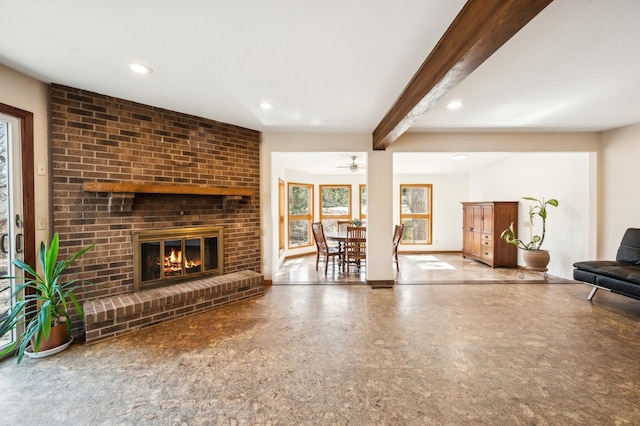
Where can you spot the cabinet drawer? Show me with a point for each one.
(487, 237)
(487, 253)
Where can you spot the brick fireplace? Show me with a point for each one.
(119, 167)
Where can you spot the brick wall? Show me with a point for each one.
(101, 138)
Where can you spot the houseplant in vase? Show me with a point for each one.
(42, 308)
(534, 257)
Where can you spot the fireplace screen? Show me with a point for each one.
(162, 257)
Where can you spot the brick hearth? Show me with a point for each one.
(115, 315)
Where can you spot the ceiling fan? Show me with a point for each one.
(353, 166)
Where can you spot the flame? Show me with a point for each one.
(173, 262)
(175, 257)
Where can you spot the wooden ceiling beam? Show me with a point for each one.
(480, 29)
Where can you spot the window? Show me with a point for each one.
(363, 202)
(300, 214)
(415, 213)
(335, 205)
(280, 216)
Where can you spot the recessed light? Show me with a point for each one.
(266, 105)
(454, 105)
(459, 156)
(140, 68)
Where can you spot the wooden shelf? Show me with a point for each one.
(158, 188)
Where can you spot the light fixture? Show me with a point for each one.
(266, 105)
(454, 105)
(459, 156)
(139, 68)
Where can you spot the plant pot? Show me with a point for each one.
(42, 354)
(536, 260)
(57, 337)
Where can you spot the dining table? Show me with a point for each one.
(341, 239)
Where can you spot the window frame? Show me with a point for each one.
(347, 216)
(292, 217)
(281, 216)
(426, 216)
(361, 187)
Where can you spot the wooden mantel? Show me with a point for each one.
(159, 188)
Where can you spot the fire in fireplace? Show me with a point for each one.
(162, 257)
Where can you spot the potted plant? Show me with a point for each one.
(42, 310)
(356, 222)
(534, 257)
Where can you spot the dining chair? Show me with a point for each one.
(355, 247)
(397, 236)
(342, 225)
(324, 251)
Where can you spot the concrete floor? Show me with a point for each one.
(441, 354)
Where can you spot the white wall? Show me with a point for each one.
(563, 176)
(20, 91)
(619, 179)
(497, 142)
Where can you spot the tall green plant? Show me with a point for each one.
(540, 210)
(46, 299)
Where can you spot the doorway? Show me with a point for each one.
(16, 203)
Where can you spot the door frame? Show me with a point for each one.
(28, 195)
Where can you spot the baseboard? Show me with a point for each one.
(381, 283)
(429, 252)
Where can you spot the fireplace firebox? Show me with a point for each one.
(162, 257)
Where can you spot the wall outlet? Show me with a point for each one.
(42, 223)
(527, 224)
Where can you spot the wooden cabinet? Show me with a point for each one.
(482, 224)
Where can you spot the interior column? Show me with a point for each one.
(379, 219)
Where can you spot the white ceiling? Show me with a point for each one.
(331, 65)
(334, 66)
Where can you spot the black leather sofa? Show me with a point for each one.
(621, 276)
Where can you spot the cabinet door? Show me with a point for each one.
(467, 241)
(487, 219)
(472, 231)
(477, 219)
(476, 244)
(468, 218)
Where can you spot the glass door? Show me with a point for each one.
(10, 213)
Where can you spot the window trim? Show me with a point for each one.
(428, 216)
(363, 216)
(281, 216)
(308, 217)
(324, 217)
